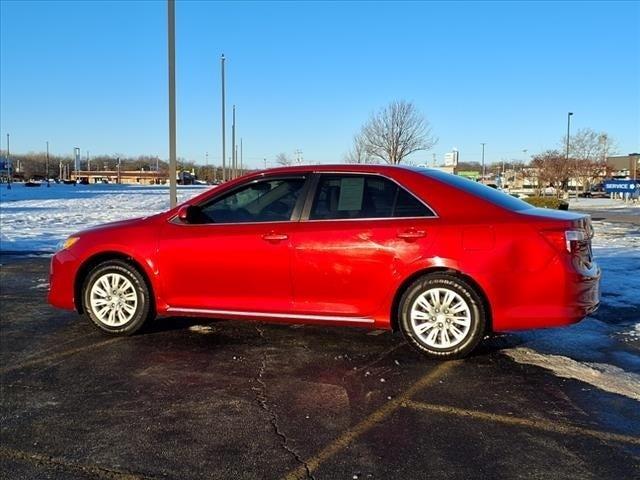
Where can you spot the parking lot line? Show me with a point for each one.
(538, 424)
(56, 356)
(376, 417)
(92, 470)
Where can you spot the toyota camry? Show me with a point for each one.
(442, 259)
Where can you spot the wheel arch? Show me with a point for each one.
(99, 258)
(395, 304)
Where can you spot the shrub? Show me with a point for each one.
(548, 202)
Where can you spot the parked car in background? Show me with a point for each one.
(443, 259)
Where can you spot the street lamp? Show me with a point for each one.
(483, 170)
(224, 153)
(8, 165)
(171, 50)
(47, 166)
(569, 115)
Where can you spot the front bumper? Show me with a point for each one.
(61, 280)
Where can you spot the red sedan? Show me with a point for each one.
(443, 259)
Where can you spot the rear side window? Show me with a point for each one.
(489, 194)
(363, 196)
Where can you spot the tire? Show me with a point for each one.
(442, 316)
(123, 313)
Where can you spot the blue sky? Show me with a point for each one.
(307, 75)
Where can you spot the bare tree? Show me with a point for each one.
(588, 171)
(552, 169)
(397, 131)
(284, 160)
(358, 152)
(588, 151)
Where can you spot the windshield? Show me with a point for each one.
(489, 194)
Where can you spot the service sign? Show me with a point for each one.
(621, 186)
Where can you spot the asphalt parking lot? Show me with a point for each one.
(220, 399)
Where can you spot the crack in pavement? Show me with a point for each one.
(261, 397)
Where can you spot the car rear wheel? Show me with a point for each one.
(116, 298)
(442, 316)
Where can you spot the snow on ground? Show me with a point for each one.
(605, 377)
(604, 203)
(36, 219)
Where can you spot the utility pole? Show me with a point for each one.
(569, 115)
(76, 160)
(241, 163)
(233, 144)
(88, 162)
(265, 163)
(224, 153)
(8, 165)
(173, 190)
(47, 166)
(483, 169)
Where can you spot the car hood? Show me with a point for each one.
(132, 222)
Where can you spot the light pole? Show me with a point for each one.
(233, 144)
(76, 164)
(8, 165)
(224, 152)
(47, 166)
(569, 115)
(241, 165)
(171, 26)
(483, 170)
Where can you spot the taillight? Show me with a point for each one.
(575, 240)
(571, 241)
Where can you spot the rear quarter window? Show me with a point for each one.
(489, 194)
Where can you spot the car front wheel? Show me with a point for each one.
(116, 298)
(442, 316)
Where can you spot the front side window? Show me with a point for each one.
(261, 201)
(363, 196)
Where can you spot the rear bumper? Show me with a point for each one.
(61, 280)
(555, 303)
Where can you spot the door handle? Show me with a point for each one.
(411, 234)
(275, 237)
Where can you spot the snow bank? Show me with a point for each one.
(605, 377)
(602, 204)
(36, 219)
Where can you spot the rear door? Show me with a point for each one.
(357, 233)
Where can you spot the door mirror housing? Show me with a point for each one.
(187, 213)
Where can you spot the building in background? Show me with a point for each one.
(139, 177)
(624, 166)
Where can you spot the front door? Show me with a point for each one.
(235, 254)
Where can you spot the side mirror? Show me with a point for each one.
(186, 213)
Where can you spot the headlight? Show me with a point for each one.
(67, 243)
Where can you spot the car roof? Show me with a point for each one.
(338, 167)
